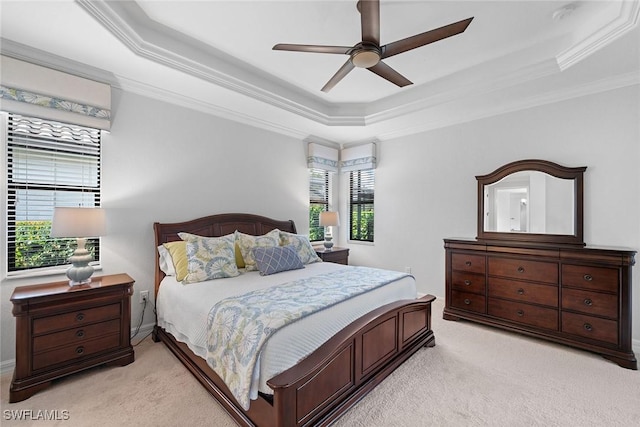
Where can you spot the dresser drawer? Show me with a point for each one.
(537, 271)
(64, 354)
(541, 317)
(522, 291)
(468, 301)
(468, 282)
(75, 318)
(75, 335)
(590, 302)
(587, 277)
(590, 327)
(468, 263)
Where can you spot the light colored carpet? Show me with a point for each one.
(475, 376)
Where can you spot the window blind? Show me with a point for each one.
(49, 164)
(361, 201)
(318, 201)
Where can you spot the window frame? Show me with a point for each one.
(83, 150)
(361, 196)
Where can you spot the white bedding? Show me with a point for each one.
(183, 309)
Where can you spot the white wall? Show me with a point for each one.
(166, 163)
(426, 186)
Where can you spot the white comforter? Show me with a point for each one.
(183, 310)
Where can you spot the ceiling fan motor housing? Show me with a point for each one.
(366, 55)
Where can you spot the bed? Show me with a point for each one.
(328, 380)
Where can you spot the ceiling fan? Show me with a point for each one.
(368, 53)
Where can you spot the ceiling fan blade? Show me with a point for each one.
(370, 20)
(343, 71)
(425, 38)
(313, 48)
(386, 72)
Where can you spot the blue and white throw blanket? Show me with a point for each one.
(239, 326)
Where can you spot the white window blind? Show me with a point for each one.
(318, 201)
(361, 198)
(49, 164)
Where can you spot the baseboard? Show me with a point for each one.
(6, 366)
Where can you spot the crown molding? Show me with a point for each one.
(625, 22)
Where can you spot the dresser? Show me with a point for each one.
(61, 330)
(578, 296)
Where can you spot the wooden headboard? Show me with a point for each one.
(215, 226)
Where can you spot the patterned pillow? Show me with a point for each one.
(247, 242)
(276, 259)
(302, 245)
(209, 257)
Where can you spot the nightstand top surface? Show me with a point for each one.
(322, 249)
(62, 287)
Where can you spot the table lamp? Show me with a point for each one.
(328, 220)
(79, 223)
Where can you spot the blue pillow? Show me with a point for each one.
(275, 259)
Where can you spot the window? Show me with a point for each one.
(48, 164)
(318, 201)
(361, 205)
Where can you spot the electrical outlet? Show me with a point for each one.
(144, 296)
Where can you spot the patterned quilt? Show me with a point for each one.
(239, 326)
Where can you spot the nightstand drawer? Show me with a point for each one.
(64, 354)
(75, 319)
(75, 335)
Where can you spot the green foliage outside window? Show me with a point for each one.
(362, 224)
(316, 232)
(36, 248)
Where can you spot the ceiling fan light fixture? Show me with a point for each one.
(365, 58)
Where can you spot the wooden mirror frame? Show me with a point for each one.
(553, 169)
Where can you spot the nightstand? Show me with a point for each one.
(337, 255)
(61, 330)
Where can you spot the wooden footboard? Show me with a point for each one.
(324, 385)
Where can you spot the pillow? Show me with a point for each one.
(247, 242)
(178, 252)
(302, 245)
(276, 259)
(209, 257)
(239, 259)
(165, 262)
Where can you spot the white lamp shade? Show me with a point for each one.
(78, 222)
(329, 219)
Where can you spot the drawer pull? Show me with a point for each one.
(588, 302)
(467, 301)
(79, 350)
(467, 282)
(80, 333)
(80, 317)
(520, 269)
(467, 263)
(520, 291)
(588, 327)
(520, 313)
(588, 277)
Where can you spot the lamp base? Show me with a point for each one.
(80, 271)
(328, 243)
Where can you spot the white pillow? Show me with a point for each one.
(165, 261)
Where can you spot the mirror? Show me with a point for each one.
(532, 201)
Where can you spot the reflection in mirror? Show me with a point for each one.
(530, 202)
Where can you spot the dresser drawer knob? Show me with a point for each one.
(588, 277)
(520, 313)
(80, 317)
(520, 291)
(520, 269)
(80, 333)
(467, 263)
(588, 301)
(588, 327)
(467, 282)
(79, 350)
(467, 301)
